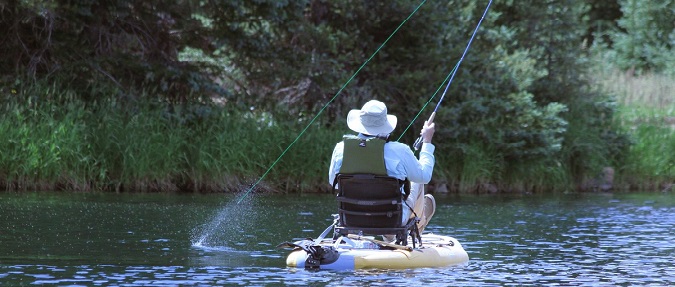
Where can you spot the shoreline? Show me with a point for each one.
(238, 185)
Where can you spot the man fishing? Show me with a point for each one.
(372, 121)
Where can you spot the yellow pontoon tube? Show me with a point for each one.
(365, 252)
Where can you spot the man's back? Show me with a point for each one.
(400, 162)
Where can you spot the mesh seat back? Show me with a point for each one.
(369, 201)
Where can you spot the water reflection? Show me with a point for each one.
(170, 240)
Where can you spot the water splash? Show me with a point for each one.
(227, 223)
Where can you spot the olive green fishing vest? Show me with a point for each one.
(363, 156)
(366, 156)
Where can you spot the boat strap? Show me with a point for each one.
(319, 254)
(316, 254)
(381, 243)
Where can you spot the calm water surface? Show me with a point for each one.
(71, 239)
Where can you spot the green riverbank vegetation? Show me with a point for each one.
(222, 97)
(149, 146)
(646, 111)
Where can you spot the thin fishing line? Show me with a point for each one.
(330, 101)
(453, 72)
(426, 104)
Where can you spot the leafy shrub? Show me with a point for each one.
(646, 36)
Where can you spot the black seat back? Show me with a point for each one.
(369, 201)
(371, 204)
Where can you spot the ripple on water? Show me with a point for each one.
(589, 240)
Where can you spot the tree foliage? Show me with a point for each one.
(602, 17)
(517, 90)
(646, 40)
(132, 45)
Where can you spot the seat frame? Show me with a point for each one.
(370, 204)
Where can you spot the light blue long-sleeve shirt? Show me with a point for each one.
(399, 161)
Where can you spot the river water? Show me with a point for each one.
(76, 239)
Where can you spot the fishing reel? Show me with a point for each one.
(418, 143)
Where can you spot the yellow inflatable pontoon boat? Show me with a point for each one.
(355, 252)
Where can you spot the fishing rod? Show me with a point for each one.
(418, 143)
(250, 189)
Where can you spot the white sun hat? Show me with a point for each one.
(371, 119)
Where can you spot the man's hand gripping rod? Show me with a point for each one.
(418, 143)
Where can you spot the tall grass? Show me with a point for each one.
(153, 146)
(645, 90)
(647, 112)
(476, 168)
(52, 141)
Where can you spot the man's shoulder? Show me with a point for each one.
(397, 145)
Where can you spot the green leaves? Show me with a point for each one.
(520, 89)
(515, 126)
(646, 37)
